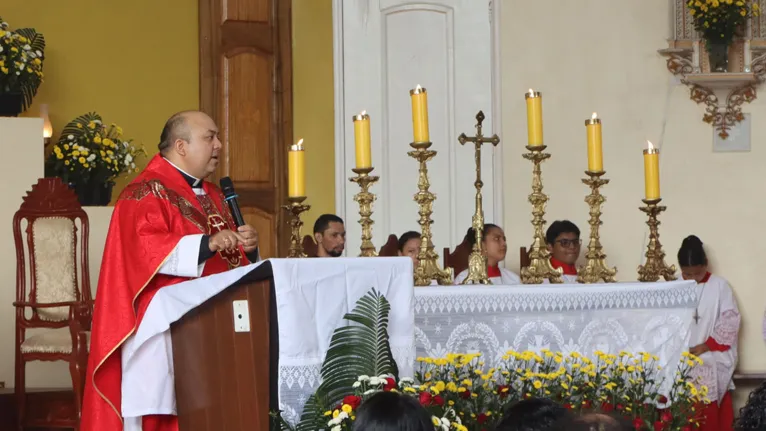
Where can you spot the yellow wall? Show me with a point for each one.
(313, 116)
(135, 63)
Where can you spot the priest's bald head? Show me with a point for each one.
(189, 140)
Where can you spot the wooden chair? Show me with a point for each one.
(309, 246)
(458, 259)
(391, 247)
(58, 300)
(524, 260)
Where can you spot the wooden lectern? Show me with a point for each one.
(227, 380)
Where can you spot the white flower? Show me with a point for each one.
(342, 416)
(356, 385)
(370, 391)
(406, 380)
(1, 49)
(133, 166)
(383, 376)
(334, 422)
(27, 47)
(92, 157)
(39, 54)
(18, 73)
(128, 159)
(335, 428)
(375, 381)
(70, 137)
(363, 378)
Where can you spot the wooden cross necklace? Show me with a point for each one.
(696, 309)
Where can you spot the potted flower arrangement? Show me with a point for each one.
(462, 394)
(719, 21)
(90, 155)
(21, 68)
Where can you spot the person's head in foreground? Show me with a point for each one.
(533, 414)
(563, 238)
(189, 140)
(409, 245)
(752, 417)
(594, 422)
(692, 259)
(492, 242)
(330, 235)
(391, 411)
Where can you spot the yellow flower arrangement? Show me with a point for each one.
(720, 20)
(89, 151)
(21, 62)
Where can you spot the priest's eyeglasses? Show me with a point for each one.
(566, 243)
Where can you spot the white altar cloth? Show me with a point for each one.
(312, 295)
(635, 317)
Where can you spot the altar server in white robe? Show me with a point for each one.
(495, 247)
(715, 331)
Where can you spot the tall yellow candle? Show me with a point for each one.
(595, 155)
(419, 114)
(534, 117)
(652, 172)
(296, 170)
(362, 140)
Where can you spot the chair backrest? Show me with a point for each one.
(51, 210)
(391, 247)
(309, 246)
(458, 259)
(524, 260)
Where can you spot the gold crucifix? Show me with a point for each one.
(477, 261)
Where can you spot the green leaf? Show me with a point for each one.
(37, 43)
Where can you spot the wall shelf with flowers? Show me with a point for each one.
(718, 49)
(21, 68)
(89, 156)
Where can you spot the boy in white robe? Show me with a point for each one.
(495, 247)
(715, 331)
(563, 238)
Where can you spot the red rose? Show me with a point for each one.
(465, 394)
(620, 407)
(606, 407)
(481, 418)
(352, 400)
(686, 428)
(658, 426)
(425, 399)
(666, 416)
(390, 384)
(638, 423)
(662, 399)
(568, 406)
(439, 401)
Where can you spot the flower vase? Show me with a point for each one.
(718, 56)
(10, 104)
(93, 194)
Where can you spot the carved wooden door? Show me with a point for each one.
(246, 86)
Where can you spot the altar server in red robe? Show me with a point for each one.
(495, 247)
(715, 330)
(563, 238)
(168, 225)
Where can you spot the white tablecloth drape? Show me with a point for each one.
(635, 317)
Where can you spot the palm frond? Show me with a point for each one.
(312, 418)
(37, 43)
(72, 129)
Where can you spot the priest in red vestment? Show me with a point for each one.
(169, 225)
(563, 238)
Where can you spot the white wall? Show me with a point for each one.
(22, 139)
(601, 55)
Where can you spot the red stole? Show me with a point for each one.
(152, 214)
(568, 269)
(493, 271)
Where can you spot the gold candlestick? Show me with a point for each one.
(295, 208)
(540, 267)
(365, 200)
(477, 261)
(655, 266)
(596, 268)
(428, 268)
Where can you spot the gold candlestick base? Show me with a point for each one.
(365, 199)
(477, 261)
(295, 208)
(655, 266)
(540, 267)
(428, 267)
(595, 269)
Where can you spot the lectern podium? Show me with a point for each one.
(227, 380)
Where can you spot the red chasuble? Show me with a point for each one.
(151, 215)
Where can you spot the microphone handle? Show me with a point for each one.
(235, 212)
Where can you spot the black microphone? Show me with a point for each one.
(230, 196)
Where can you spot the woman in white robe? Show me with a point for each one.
(495, 247)
(715, 331)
